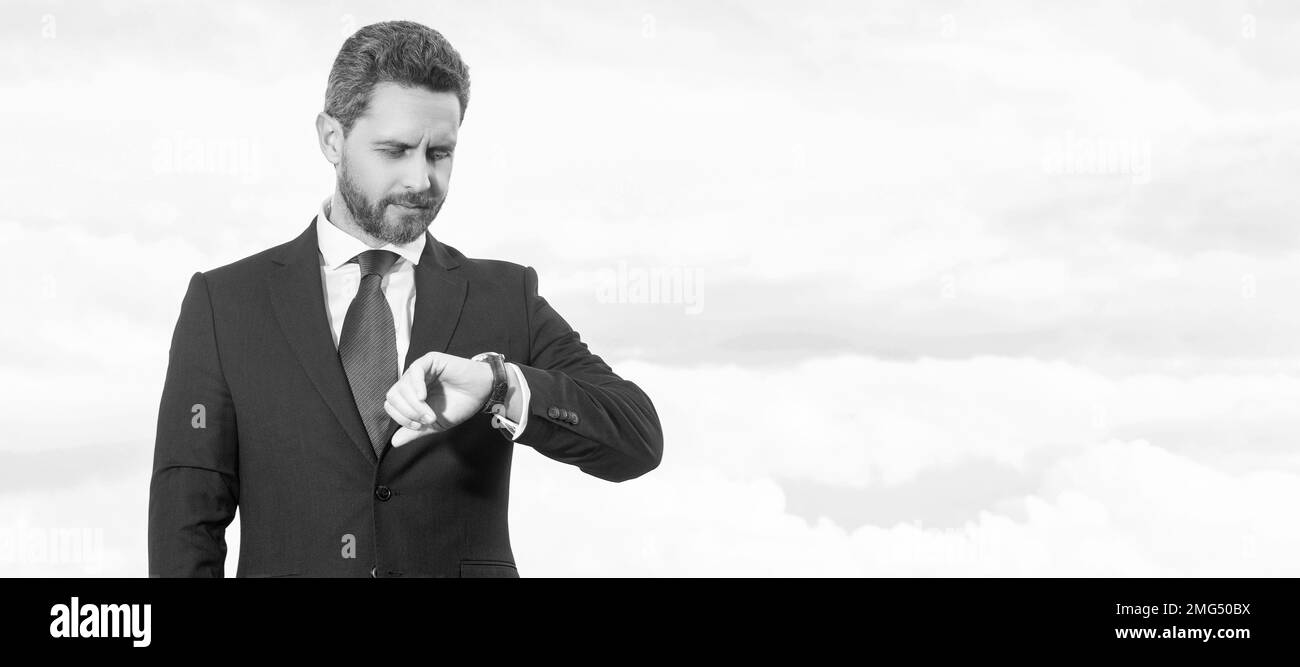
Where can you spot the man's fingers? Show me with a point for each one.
(402, 412)
(404, 435)
(417, 393)
(419, 388)
(397, 416)
(412, 390)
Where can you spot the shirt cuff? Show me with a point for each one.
(525, 397)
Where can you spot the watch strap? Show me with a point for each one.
(499, 382)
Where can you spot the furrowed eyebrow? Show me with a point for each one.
(401, 144)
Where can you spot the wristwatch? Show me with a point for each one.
(499, 383)
(496, 400)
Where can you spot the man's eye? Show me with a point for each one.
(442, 155)
(394, 152)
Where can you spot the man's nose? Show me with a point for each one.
(419, 175)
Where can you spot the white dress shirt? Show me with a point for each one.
(341, 278)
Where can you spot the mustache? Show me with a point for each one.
(421, 202)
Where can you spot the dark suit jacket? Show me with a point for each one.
(281, 439)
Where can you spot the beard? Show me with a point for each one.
(369, 216)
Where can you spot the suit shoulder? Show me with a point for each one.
(495, 270)
(499, 267)
(251, 268)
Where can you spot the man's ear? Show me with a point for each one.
(330, 134)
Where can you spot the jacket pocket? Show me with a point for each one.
(488, 568)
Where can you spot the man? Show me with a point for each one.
(283, 395)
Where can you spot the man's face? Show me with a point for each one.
(396, 161)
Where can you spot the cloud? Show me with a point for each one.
(1116, 509)
(853, 421)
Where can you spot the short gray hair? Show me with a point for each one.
(402, 52)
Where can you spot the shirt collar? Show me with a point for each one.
(338, 247)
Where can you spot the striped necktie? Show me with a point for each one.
(368, 346)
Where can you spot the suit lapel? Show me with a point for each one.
(439, 298)
(298, 299)
(299, 302)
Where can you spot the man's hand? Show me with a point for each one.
(438, 391)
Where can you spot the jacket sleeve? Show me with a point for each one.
(195, 485)
(580, 412)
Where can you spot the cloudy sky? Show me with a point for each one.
(959, 288)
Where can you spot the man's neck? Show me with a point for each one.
(337, 212)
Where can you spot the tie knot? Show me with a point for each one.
(376, 262)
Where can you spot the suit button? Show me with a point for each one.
(553, 412)
(383, 493)
(573, 419)
(564, 414)
(372, 573)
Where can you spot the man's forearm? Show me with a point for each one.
(609, 429)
